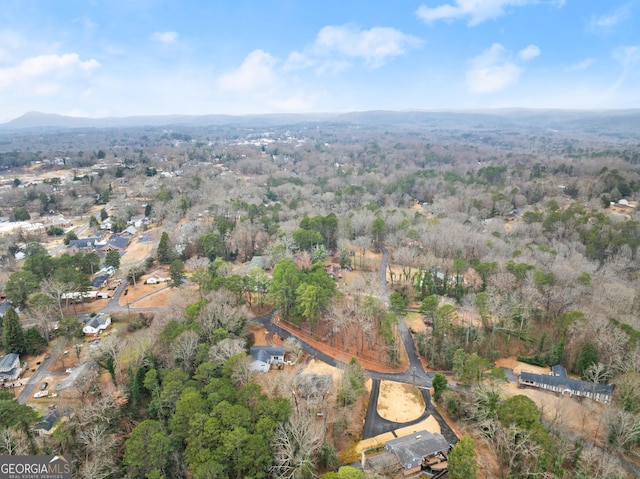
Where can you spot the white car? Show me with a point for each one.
(69, 370)
(41, 394)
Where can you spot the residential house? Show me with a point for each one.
(138, 221)
(84, 245)
(98, 235)
(10, 367)
(414, 449)
(558, 381)
(129, 231)
(107, 270)
(96, 325)
(115, 243)
(100, 281)
(106, 224)
(45, 426)
(157, 276)
(264, 356)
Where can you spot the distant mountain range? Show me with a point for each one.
(616, 122)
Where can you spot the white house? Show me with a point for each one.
(10, 367)
(264, 356)
(157, 277)
(96, 324)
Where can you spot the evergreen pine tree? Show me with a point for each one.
(165, 250)
(462, 460)
(12, 335)
(176, 273)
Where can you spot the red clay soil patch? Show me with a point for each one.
(372, 359)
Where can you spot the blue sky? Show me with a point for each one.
(141, 57)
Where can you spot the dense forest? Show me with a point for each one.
(512, 238)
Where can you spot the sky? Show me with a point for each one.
(119, 58)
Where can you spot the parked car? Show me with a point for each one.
(43, 386)
(41, 394)
(69, 370)
(112, 287)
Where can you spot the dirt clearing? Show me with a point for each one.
(399, 402)
(582, 416)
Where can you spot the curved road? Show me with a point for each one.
(415, 374)
(111, 307)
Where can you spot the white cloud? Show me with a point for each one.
(477, 11)
(529, 53)
(374, 46)
(492, 71)
(46, 66)
(609, 20)
(336, 46)
(46, 89)
(256, 71)
(164, 37)
(298, 61)
(582, 65)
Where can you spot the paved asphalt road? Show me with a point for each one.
(415, 374)
(34, 380)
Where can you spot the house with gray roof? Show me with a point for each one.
(10, 367)
(558, 381)
(97, 324)
(415, 449)
(129, 231)
(84, 245)
(100, 281)
(264, 356)
(45, 426)
(116, 242)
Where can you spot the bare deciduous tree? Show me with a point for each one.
(220, 352)
(11, 443)
(184, 349)
(241, 372)
(623, 428)
(221, 312)
(295, 444)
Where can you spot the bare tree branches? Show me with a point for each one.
(295, 445)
